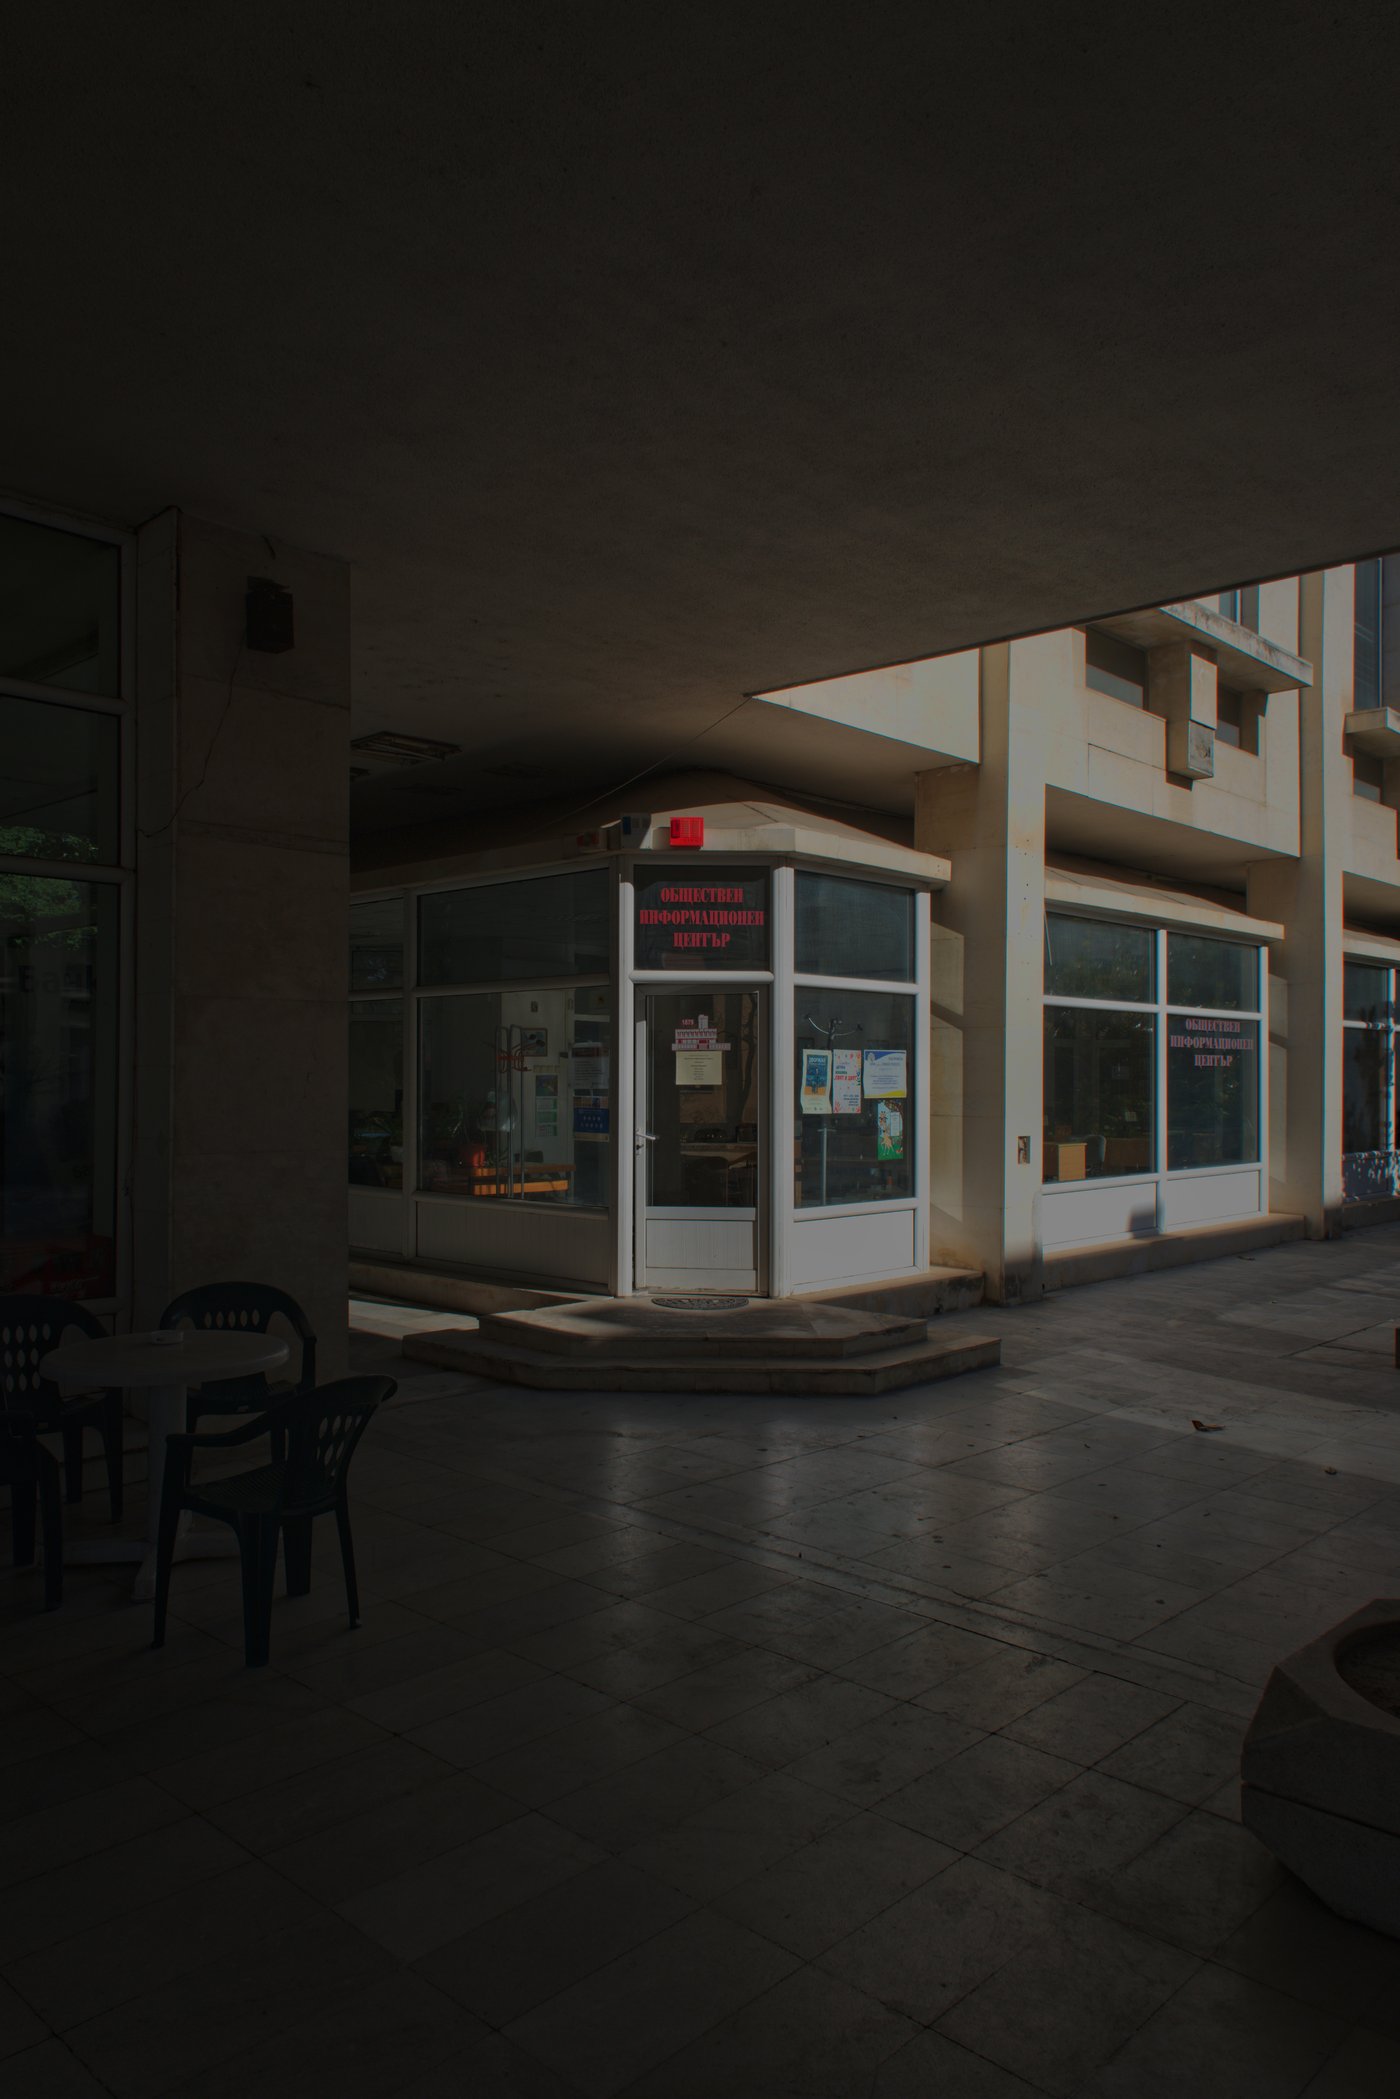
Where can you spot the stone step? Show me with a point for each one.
(788, 1329)
(925, 1296)
(886, 1370)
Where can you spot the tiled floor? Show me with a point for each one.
(872, 1749)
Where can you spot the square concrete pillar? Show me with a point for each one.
(242, 798)
(1305, 989)
(988, 974)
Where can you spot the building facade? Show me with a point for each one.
(1114, 986)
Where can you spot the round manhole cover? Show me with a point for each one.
(701, 1304)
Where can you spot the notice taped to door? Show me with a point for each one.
(703, 1067)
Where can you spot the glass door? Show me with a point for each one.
(701, 1088)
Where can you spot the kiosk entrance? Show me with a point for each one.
(701, 1056)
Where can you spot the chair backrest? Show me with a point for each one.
(29, 1328)
(245, 1308)
(322, 1429)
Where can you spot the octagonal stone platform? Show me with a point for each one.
(790, 1346)
(1320, 1767)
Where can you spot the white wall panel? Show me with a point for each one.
(1213, 1199)
(828, 1251)
(554, 1246)
(1083, 1212)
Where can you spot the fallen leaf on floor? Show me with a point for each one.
(1329, 1468)
(1208, 1428)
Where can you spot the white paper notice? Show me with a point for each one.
(700, 1067)
(845, 1082)
(885, 1077)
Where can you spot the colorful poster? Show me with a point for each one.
(535, 1041)
(885, 1075)
(889, 1131)
(547, 1103)
(704, 1067)
(590, 1115)
(816, 1082)
(845, 1082)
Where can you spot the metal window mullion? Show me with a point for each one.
(412, 1174)
(625, 1082)
(1160, 1085)
(782, 1036)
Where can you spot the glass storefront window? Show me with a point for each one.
(59, 782)
(376, 1093)
(1206, 972)
(503, 932)
(1099, 1093)
(1366, 992)
(1212, 1091)
(515, 1094)
(58, 1085)
(60, 608)
(699, 918)
(853, 929)
(855, 1108)
(376, 945)
(1365, 1056)
(1095, 958)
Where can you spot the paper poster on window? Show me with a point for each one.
(535, 1041)
(889, 1131)
(885, 1077)
(816, 1082)
(846, 1098)
(703, 1067)
(590, 1115)
(547, 1103)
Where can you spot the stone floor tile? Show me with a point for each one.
(924, 1954)
(933, 2067)
(51, 2071)
(795, 1722)
(387, 1838)
(1093, 1824)
(359, 2047)
(213, 1777)
(438, 1693)
(1099, 1598)
(886, 1754)
(1188, 1755)
(152, 2043)
(1091, 1718)
(1068, 2001)
(299, 1806)
(540, 1771)
(491, 2069)
(433, 1903)
(829, 1887)
(528, 1954)
(810, 2037)
(608, 1630)
(963, 1801)
(993, 1693)
(661, 1790)
(1221, 2037)
(940, 1565)
(493, 1726)
(108, 1884)
(69, 1830)
(607, 2031)
(21, 2028)
(704, 1698)
(1295, 1944)
(739, 1834)
(630, 1671)
(1195, 1886)
(917, 1661)
(1366, 2066)
(701, 1594)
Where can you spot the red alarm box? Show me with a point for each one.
(687, 830)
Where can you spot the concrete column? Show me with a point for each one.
(242, 899)
(987, 973)
(1305, 977)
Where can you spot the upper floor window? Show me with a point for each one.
(1115, 667)
(60, 608)
(1241, 606)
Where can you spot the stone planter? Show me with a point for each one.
(1321, 1766)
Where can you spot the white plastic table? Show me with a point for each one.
(162, 1371)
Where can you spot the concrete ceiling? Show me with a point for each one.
(643, 357)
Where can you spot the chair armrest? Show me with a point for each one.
(260, 1425)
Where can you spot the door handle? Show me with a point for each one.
(645, 1137)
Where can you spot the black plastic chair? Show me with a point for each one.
(242, 1308)
(30, 1471)
(29, 1328)
(318, 1432)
